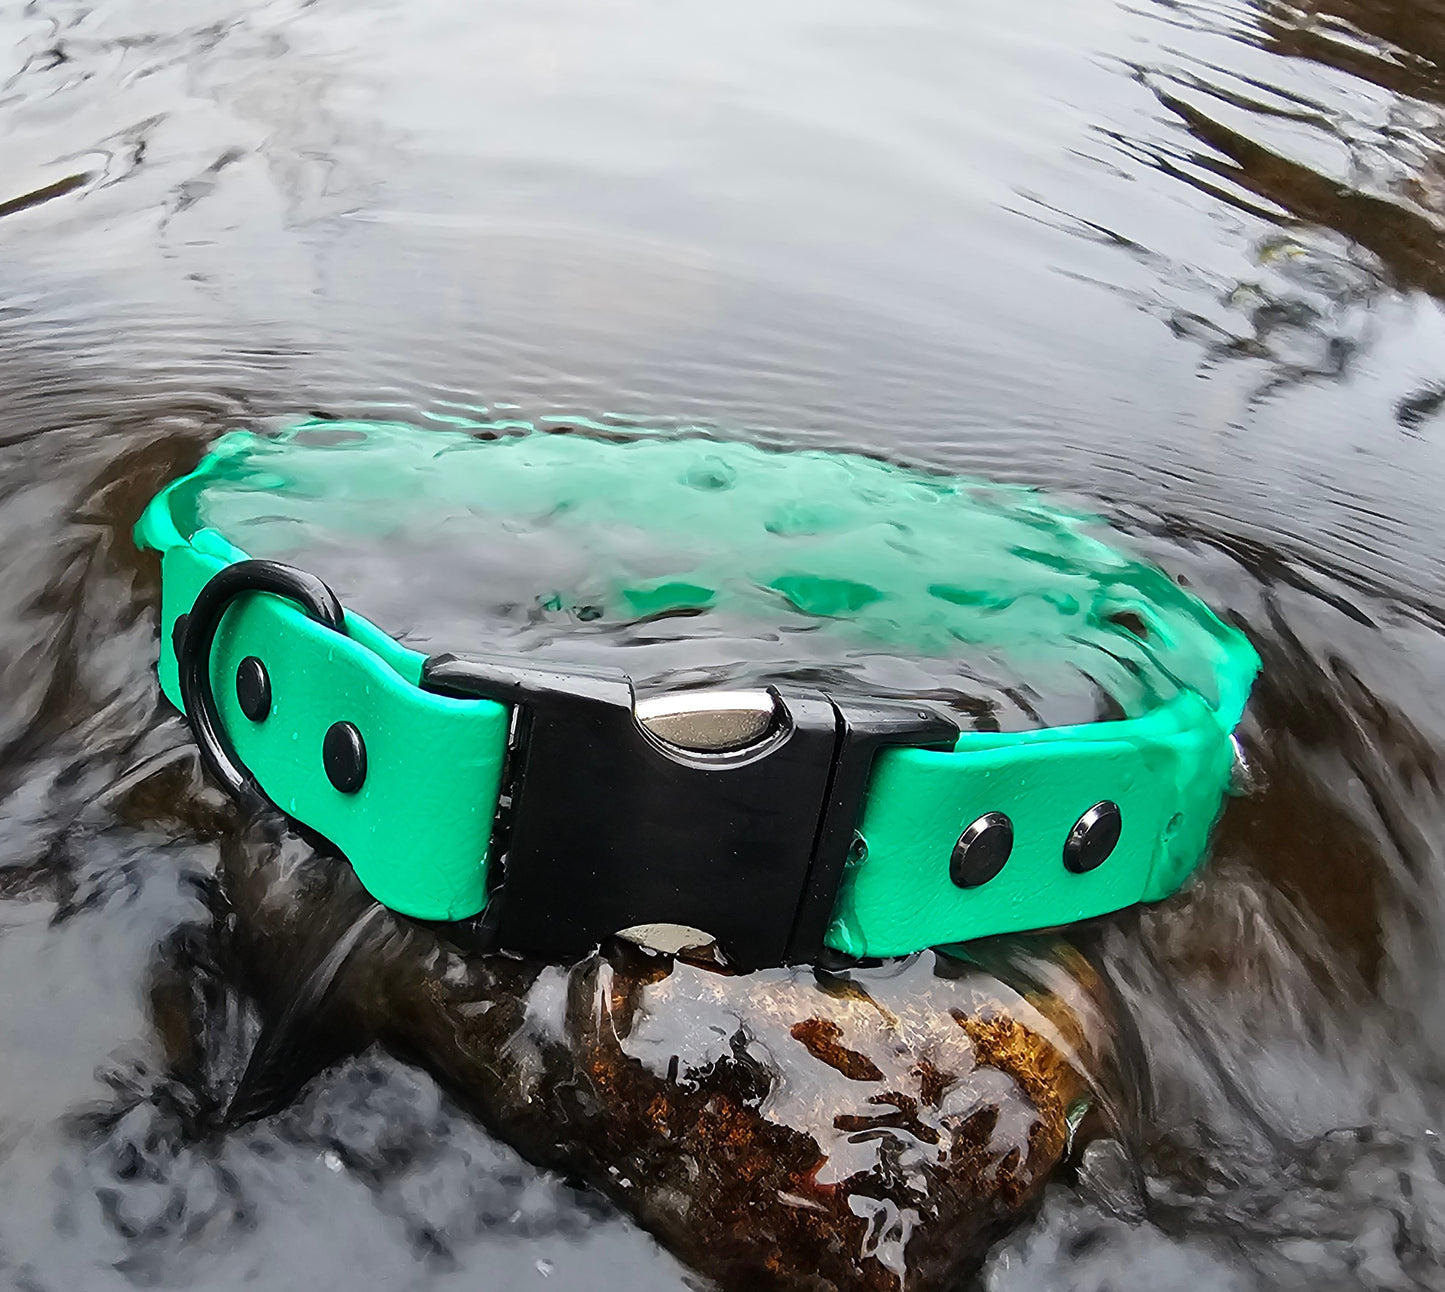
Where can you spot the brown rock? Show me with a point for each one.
(790, 1128)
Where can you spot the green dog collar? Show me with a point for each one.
(557, 806)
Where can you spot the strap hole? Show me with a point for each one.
(1131, 621)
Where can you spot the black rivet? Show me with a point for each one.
(1093, 837)
(253, 689)
(343, 754)
(178, 633)
(981, 850)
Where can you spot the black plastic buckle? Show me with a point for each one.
(606, 827)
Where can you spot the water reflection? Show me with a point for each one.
(1180, 260)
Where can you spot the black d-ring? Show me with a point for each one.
(194, 656)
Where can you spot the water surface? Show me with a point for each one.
(1177, 262)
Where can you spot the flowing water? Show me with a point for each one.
(1178, 261)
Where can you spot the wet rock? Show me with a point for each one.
(790, 1128)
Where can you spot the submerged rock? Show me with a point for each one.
(867, 1128)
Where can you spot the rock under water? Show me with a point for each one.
(874, 1127)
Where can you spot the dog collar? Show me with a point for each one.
(556, 807)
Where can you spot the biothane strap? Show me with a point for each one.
(418, 827)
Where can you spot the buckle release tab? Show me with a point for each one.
(730, 812)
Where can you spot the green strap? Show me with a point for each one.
(417, 831)
(1167, 772)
